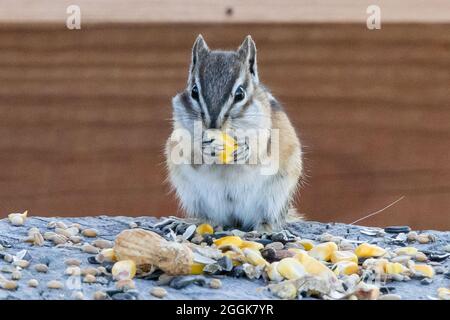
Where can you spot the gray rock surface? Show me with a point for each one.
(11, 238)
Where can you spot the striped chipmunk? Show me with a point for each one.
(234, 158)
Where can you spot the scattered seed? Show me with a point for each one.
(16, 275)
(184, 281)
(38, 239)
(158, 292)
(72, 262)
(75, 225)
(197, 239)
(49, 235)
(21, 263)
(133, 225)
(421, 257)
(40, 267)
(90, 233)
(89, 270)
(33, 230)
(125, 285)
(275, 245)
(17, 219)
(412, 236)
(72, 231)
(215, 284)
(103, 244)
(284, 290)
(189, 232)
(73, 271)
(51, 225)
(438, 256)
(9, 285)
(55, 284)
(423, 238)
(8, 258)
(89, 278)
(397, 229)
(33, 283)
(102, 270)
(78, 295)
(444, 293)
(58, 239)
(60, 224)
(90, 249)
(75, 239)
(64, 232)
(100, 295)
(164, 279)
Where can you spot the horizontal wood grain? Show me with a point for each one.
(84, 115)
(224, 11)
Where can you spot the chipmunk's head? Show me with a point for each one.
(223, 90)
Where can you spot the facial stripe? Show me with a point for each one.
(187, 103)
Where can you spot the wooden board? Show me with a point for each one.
(84, 115)
(224, 11)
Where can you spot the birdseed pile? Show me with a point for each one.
(123, 258)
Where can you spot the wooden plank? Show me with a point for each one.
(224, 11)
(84, 115)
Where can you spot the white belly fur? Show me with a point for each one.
(226, 194)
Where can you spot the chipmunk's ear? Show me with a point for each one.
(247, 52)
(199, 49)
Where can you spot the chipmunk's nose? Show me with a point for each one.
(214, 120)
(213, 124)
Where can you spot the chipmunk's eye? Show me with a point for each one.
(239, 95)
(194, 92)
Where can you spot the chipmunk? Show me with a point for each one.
(224, 93)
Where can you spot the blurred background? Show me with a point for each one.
(84, 114)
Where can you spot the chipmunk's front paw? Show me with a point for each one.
(242, 153)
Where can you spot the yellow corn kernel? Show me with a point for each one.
(346, 268)
(444, 293)
(252, 245)
(226, 142)
(377, 265)
(314, 267)
(197, 268)
(406, 251)
(229, 146)
(273, 273)
(297, 250)
(107, 255)
(307, 244)
(228, 241)
(125, 269)
(236, 257)
(365, 250)
(254, 257)
(323, 251)
(338, 256)
(394, 268)
(205, 228)
(424, 270)
(291, 268)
